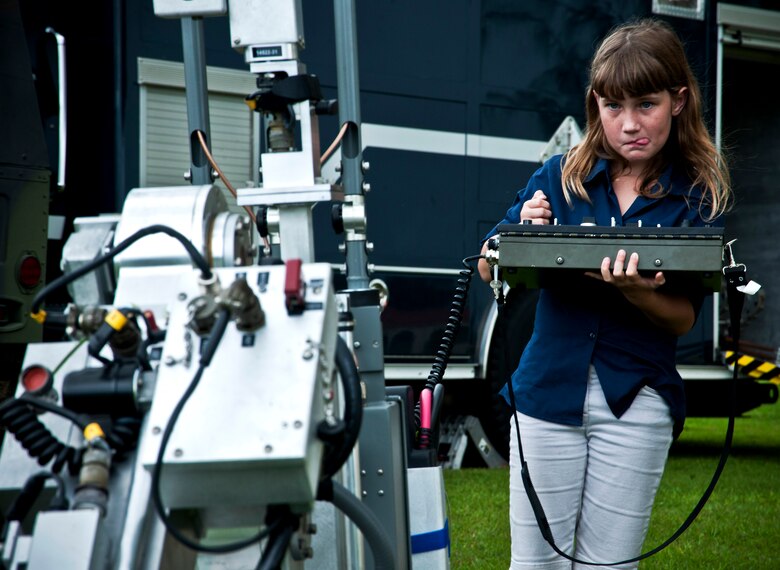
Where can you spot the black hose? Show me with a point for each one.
(273, 555)
(24, 501)
(353, 411)
(195, 255)
(366, 521)
(278, 540)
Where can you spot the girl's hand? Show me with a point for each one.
(537, 209)
(627, 277)
(672, 313)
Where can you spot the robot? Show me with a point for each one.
(220, 402)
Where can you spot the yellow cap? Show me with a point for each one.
(93, 431)
(39, 317)
(116, 320)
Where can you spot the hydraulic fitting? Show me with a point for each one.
(92, 490)
(202, 314)
(245, 306)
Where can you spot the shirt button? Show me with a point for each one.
(592, 336)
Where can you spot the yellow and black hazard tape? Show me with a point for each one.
(755, 367)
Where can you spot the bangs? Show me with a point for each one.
(632, 73)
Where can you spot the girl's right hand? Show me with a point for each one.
(537, 209)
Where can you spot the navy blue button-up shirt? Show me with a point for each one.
(591, 322)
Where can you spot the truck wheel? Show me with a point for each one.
(519, 312)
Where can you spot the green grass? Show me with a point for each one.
(739, 527)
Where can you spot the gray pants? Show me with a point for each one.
(597, 482)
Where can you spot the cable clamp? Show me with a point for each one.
(736, 273)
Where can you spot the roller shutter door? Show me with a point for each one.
(164, 148)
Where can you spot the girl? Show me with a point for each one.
(598, 396)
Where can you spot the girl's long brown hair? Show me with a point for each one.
(636, 59)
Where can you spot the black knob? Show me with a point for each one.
(337, 218)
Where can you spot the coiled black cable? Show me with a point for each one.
(18, 417)
(124, 434)
(21, 421)
(448, 337)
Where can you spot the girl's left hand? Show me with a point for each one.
(627, 277)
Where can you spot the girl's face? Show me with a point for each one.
(637, 128)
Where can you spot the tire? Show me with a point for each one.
(519, 312)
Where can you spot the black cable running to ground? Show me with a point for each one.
(736, 301)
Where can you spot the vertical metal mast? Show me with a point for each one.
(382, 455)
(351, 147)
(194, 54)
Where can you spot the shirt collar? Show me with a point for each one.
(601, 167)
(680, 185)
